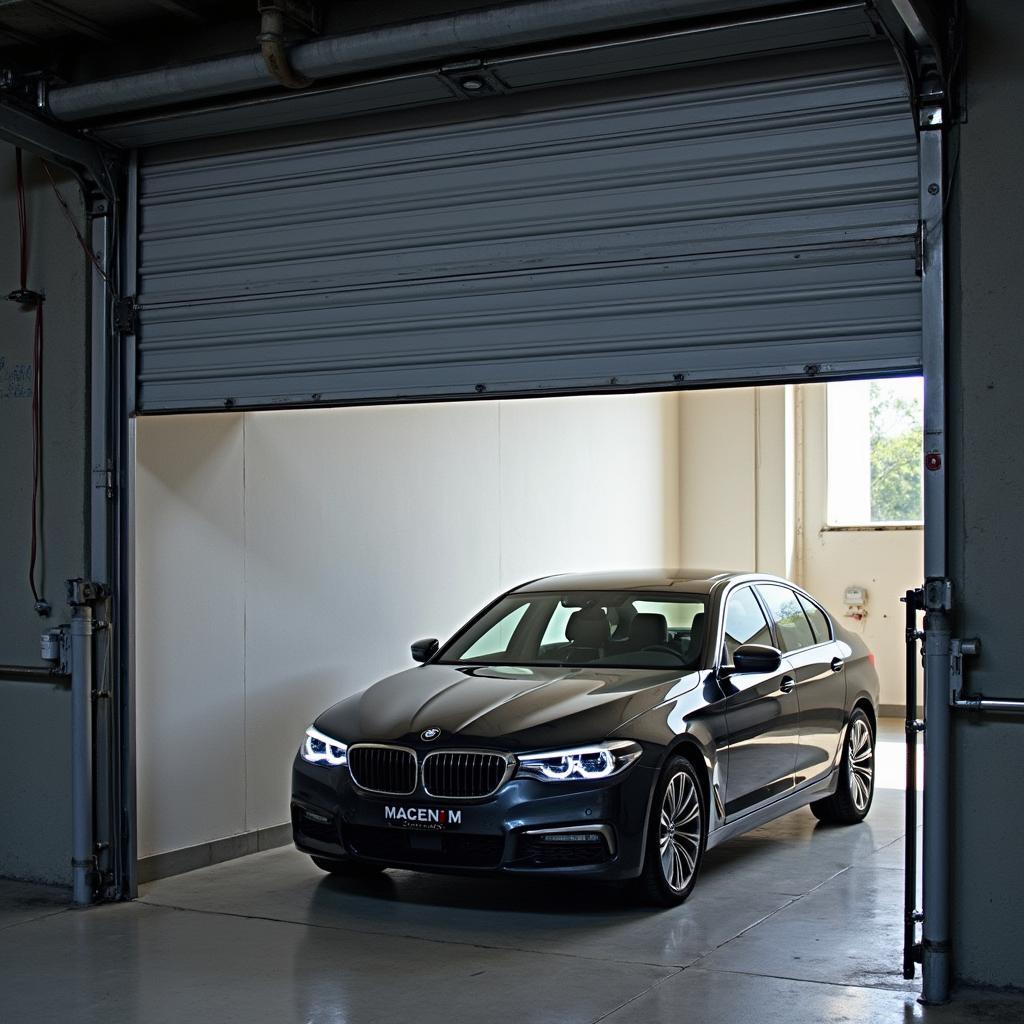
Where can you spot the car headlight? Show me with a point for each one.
(581, 763)
(320, 749)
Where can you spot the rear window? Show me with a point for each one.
(791, 626)
(817, 618)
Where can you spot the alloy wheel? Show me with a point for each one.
(862, 763)
(680, 831)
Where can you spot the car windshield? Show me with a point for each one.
(603, 629)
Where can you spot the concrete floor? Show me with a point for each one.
(793, 923)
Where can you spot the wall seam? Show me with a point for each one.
(245, 634)
(757, 474)
(501, 508)
(680, 448)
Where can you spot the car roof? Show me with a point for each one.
(688, 581)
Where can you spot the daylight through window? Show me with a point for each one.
(875, 437)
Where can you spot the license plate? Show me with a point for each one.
(434, 819)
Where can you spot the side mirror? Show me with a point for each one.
(424, 650)
(757, 658)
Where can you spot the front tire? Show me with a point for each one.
(852, 799)
(676, 836)
(347, 868)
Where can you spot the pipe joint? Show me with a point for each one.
(274, 15)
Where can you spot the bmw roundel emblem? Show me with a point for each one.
(429, 734)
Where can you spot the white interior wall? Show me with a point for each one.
(753, 494)
(287, 559)
(885, 561)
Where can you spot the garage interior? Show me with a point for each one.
(394, 347)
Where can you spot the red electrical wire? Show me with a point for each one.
(29, 299)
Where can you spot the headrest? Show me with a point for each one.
(648, 628)
(696, 635)
(589, 627)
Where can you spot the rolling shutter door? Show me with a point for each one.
(757, 232)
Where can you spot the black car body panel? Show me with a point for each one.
(767, 744)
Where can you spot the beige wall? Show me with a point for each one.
(753, 496)
(287, 559)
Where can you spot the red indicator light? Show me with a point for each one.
(933, 461)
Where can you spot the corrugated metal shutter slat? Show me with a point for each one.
(740, 233)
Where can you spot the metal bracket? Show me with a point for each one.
(938, 596)
(472, 79)
(126, 315)
(958, 650)
(86, 592)
(25, 128)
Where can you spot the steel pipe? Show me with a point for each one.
(82, 852)
(437, 38)
(998, 704)
(31, 674)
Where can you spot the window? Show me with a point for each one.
(678, 614)
(817, 618)
(791, 626)
(599, 628)
(498, 636)
(744, 623)
(875, 452)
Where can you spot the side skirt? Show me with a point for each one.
(823, 787)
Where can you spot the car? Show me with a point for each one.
(610, 726)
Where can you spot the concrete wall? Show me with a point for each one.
(986, 464)
(35, 837)
(753, 495)
(393, 524)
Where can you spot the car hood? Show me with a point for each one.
(499, 706)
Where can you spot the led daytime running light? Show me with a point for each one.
(582, 763)
(320, 749)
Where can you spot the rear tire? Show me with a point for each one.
(347, 868)
(852, 799)
(676, 836)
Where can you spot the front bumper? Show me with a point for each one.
(511, 832)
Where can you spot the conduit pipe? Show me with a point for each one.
(437, 38)
(82, 853)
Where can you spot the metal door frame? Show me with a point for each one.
(914, 32)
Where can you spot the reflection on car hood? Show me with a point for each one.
(501, 705)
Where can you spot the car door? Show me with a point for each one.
(761, 713)
(804, 634)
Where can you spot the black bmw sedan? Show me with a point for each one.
(611, 726)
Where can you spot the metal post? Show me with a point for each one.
(100, 211)
(937, 590)
(935, 945)
(911, 949)
(82, 859)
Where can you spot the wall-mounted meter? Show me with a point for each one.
(856, 600)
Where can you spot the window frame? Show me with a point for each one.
(721, 600)
(751, 586)
(879, 526)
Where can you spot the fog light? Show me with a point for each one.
(571, 837)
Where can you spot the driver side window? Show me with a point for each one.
(744, 623)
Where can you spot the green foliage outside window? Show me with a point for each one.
(896, 446)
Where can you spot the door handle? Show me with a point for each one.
(837, 664)
(787, 685)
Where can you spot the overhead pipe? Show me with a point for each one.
(436, 38)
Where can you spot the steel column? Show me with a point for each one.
(82, 852)
(937, 591)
